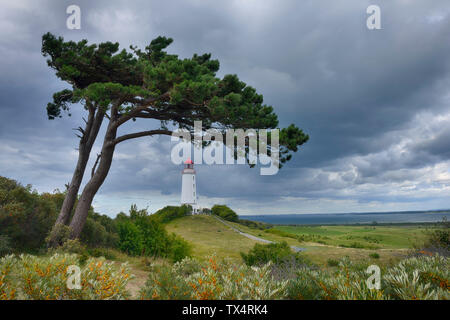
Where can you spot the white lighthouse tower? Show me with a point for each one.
(188, 189)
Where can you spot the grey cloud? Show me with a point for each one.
(357, 93)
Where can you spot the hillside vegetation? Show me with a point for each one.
(208, 235)
(365, 237)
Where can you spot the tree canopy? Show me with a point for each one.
(157, 85)
(123, 85)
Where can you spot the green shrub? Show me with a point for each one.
(107, 253)
(26, 217)
(332, 262)
(255, 224)
(130, 238)
(5, 246)
(179, 248)
(170, 213)
(263, 253)
(142, 235)
(437, 240)
(374, 255)
(225, 213)
(358, 245)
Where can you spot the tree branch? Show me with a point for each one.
(142, 134)
(99, 155)
(141, 105)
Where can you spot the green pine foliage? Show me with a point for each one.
(184, 90)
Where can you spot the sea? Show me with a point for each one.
(351, 218)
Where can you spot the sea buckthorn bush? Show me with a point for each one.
(347, 282)
(421, 278)
(45, 278)
(7, 291)
(212, 280)
(425, 277)
(413, 278)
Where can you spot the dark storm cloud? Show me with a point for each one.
(374, 102)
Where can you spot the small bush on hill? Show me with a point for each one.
(225, 213)
(374, 255)
(170, 213)
(263, 253)
(332, 262)
(255, 224)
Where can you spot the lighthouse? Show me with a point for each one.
(188, 189)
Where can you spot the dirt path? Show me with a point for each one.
(135, 284)
(250, 236)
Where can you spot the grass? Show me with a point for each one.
(366, 237)
(208, 236)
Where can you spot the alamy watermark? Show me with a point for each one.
(240, 146)
(374, 280)
(74, 277)
(374, 20)
(74, 19)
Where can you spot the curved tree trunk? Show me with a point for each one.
(86, 142)
(91, 188)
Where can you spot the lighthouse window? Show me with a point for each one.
(193, 178)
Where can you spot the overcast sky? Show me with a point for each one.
(376, 103)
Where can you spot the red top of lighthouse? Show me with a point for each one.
(188, 161)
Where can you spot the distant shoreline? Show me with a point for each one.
(348, 219)
(375, 212)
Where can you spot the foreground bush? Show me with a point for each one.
(413, 278)
(212, 280)
(419, 278)
(7, 291)
(45, 278)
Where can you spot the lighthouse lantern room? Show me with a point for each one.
(188, 186)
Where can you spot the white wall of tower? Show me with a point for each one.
(188, 188)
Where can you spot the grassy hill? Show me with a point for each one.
(208, 235)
